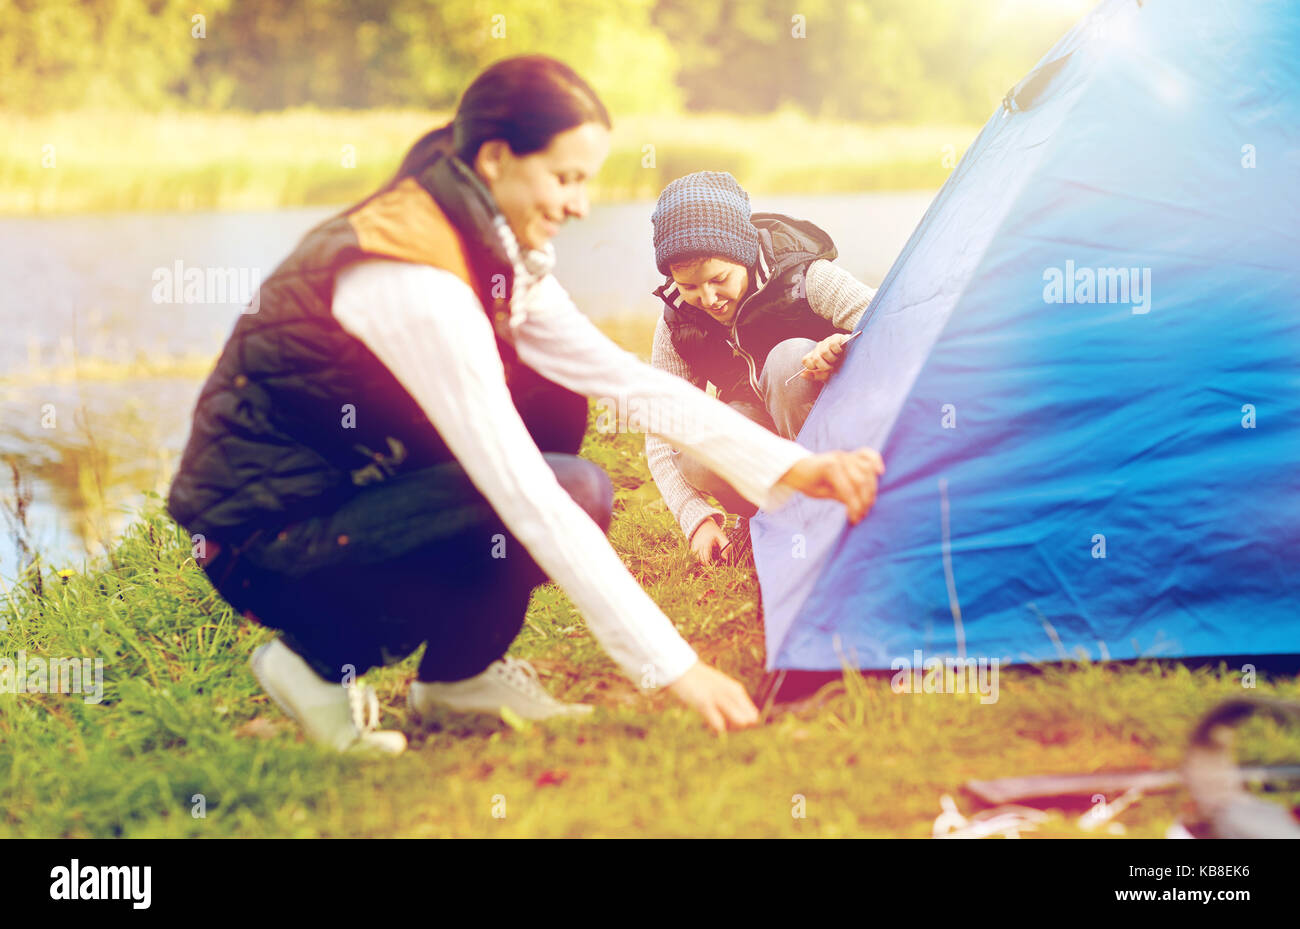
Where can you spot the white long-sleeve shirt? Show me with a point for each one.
(428, 327)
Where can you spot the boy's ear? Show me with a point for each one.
(491, 155)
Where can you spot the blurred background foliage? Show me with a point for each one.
(114, 105)
(878, 61)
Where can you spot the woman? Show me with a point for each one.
(384, 455)
(754, 305)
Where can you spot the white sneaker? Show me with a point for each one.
(510, 682)
(332, 714)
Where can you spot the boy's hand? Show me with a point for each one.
(721, 700)
(707, 536)
(849, 477)
(820, 363)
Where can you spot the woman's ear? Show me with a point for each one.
(490, 159)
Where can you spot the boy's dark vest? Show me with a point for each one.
(298, 414)
(777, 310)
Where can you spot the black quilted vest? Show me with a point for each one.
(776, 308)
(298, 414)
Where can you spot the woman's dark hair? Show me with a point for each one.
(525, 100)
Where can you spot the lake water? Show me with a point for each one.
(78, 313)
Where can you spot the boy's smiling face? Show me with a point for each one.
(713, 285)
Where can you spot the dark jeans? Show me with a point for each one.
(418, 558)
(421, 557)
(785, 407)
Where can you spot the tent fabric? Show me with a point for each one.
(1075, 466)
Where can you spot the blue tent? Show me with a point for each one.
(1083, 373)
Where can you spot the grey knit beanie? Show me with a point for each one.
(703, 215)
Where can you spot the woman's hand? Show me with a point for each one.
(707, 536)
(721, 700)
(849, 477)
(820, 363)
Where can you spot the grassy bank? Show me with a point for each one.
(182, 716)
(96, 161)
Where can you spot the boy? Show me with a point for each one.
(752, 304)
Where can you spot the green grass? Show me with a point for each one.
(182, 715)
(107, 161)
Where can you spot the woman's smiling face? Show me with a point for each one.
(538, 192)
(713, 285)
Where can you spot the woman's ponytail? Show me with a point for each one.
(427, 149)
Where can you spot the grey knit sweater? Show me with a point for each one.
(833, 293)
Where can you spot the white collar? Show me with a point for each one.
(530, 267)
